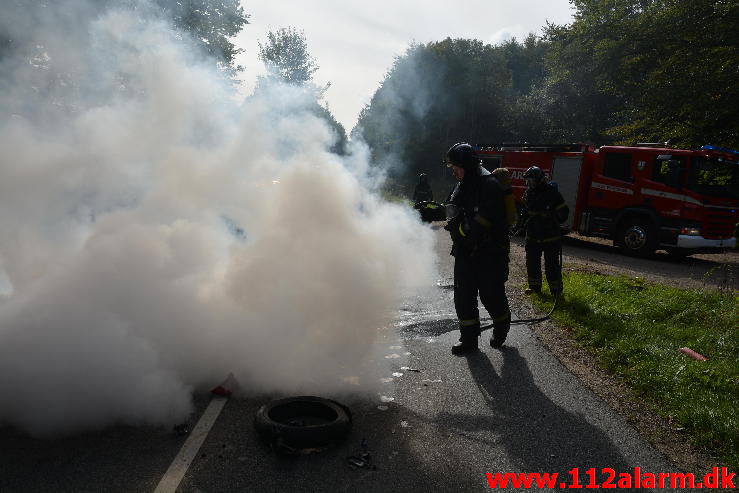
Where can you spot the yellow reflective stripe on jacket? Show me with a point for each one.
(482, 221)
(461, 231)
(560, 206)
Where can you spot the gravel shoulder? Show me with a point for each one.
(719, 271)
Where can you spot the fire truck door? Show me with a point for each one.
(566, 174)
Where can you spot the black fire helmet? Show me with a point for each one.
(463, 155)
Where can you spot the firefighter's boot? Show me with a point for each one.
(467, 340)
(555, 287)
(465, 346)
(500, 331)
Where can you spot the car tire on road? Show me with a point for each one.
(304, 422)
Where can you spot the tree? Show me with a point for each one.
(652, 69)
(286, 56)
(212, 24)
(285, 53)
(51, 43)
(440, 93)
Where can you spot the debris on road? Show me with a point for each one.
(363, 460)
(181, 429)
(227, 387)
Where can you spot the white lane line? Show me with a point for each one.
(180, 464)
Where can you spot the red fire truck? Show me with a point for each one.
(644, 198)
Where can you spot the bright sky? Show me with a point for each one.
(354, 42)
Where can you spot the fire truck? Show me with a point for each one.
(645, 197)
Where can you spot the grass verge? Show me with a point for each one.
(635, 329)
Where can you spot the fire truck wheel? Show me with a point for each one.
(637, 236)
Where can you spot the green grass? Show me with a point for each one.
(635, 328)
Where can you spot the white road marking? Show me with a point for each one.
(180, 464)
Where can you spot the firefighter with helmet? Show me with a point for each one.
(544, 210)
(479, 230)
(423, 192)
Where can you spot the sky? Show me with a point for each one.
(355, 42)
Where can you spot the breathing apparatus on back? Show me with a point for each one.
(504, 178)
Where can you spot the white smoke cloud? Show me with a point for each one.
(154, 236)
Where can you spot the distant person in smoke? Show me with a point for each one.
(544, 210)
(423, 192)
(478, 224)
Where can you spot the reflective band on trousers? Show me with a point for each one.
(460, 230)
(505, 316)
(468, 323)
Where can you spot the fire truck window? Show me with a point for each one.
(661, 171)
(617, 165)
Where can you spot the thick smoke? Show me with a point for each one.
(155, 236)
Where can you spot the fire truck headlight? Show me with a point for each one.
(690, 231)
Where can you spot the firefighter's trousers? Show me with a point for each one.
(483, 274)
(553, 269)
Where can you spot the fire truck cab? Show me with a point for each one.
(644, 197)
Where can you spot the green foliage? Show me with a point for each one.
(662, 68)
(444, 92)
(340, 144)
(623, 71)
(285, 53)
(636, 328)
(286, 56)
(212, 24)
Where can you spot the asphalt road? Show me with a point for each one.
(511, 410)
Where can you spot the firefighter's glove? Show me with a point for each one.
(460, 231)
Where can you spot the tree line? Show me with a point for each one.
(624, 71)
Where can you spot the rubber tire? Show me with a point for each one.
(271, 426)
(637, 237)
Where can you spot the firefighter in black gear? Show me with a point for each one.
(423, 192)
(544, 210)
(479, 230)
